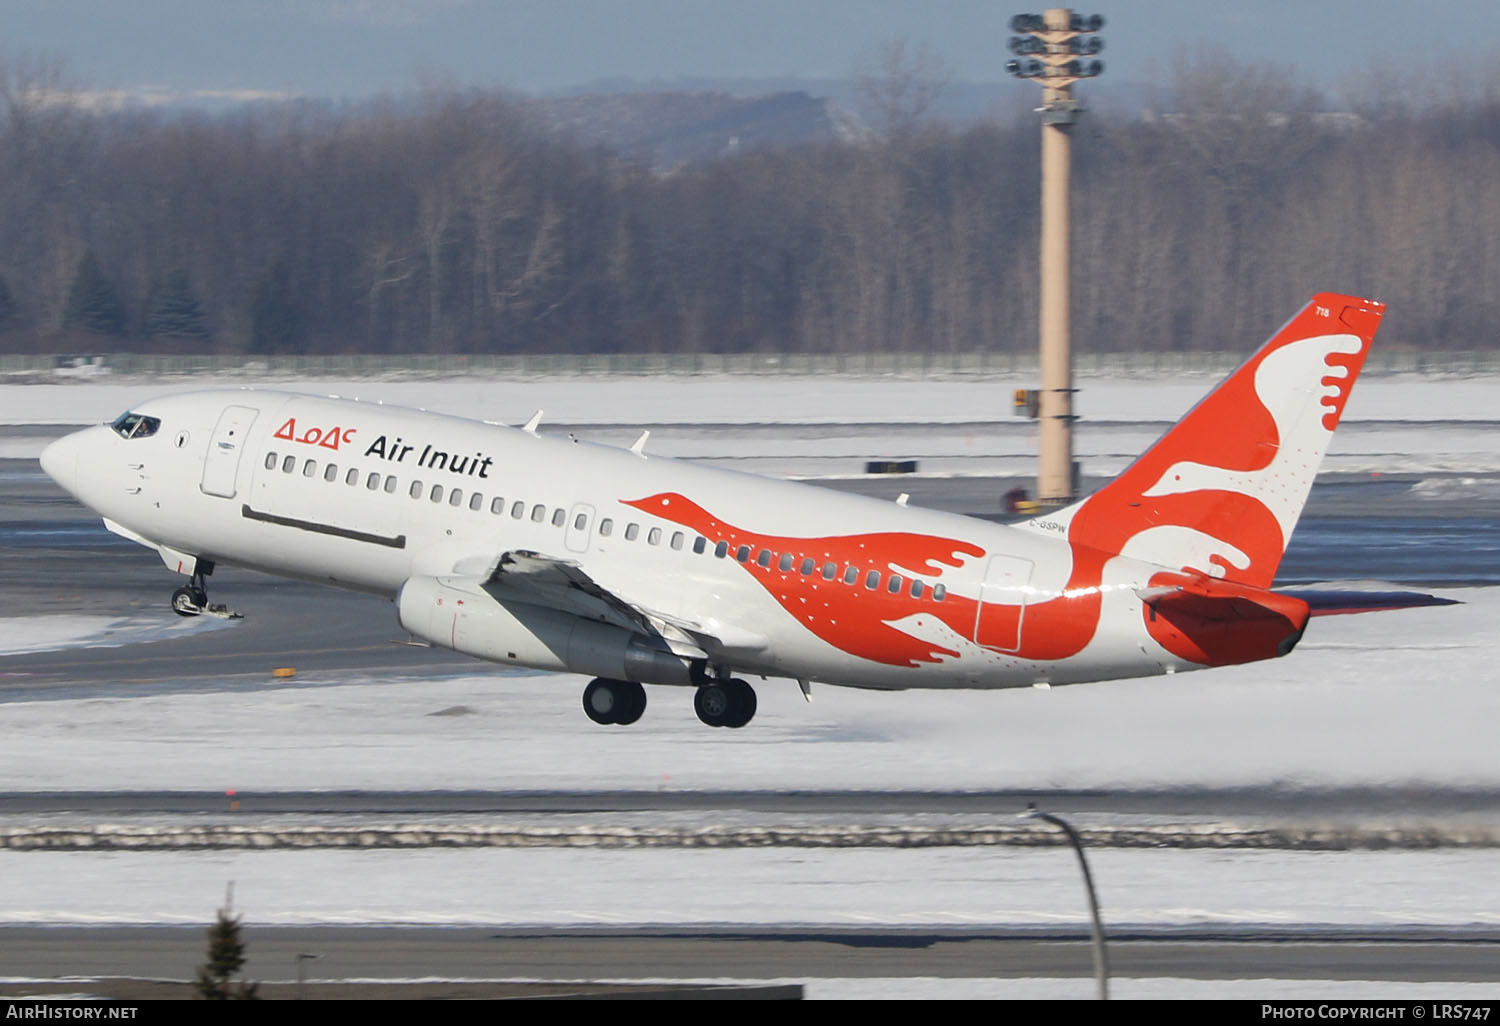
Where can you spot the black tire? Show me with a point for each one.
(745, 703)
(714, 704)
(614, 702)
(601, 702)
(633, 702)
(185, 602)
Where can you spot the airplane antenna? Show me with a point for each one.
(806, 686)
(901, 499)
(536, 418)
(639, 448)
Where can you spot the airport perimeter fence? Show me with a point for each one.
(535, 365)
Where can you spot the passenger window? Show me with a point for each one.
(287, 464)
(352, 478)
(677, 539)
(456, 497)
(331, 473)
(518, 509)
(764, 557)
(631, 530)
(436, 495)
(476, 501)
(416, 489)
(373, 481)
(916, 589)
(390, 484)
(895, 586)
(742, 553)
(939, 593)
(538, 513)
(786, 562)
(653, 536)
(606, 527)
(829, 570)
(270, 461)
(851, 574)
(699, 544)
(722, 549)
(558, 516)
(807, 566)
(309, 468)
(580, 521)
(872, 579)
(497, 505)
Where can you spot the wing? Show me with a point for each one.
(561, 584)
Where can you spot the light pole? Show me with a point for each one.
(1053, 48)
(1101, 955)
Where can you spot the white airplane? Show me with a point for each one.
(509, 546)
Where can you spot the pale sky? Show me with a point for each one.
(357, 48)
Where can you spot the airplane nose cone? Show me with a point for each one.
(60, 461)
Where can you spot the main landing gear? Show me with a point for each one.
(719, 703)
(725, 703)
(614, 701)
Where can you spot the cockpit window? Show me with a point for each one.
(136, 425)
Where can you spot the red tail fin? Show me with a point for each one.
(1221, 491)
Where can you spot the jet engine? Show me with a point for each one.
(457, 613)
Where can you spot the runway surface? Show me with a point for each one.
(772, 954)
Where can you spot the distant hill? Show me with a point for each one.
(667, 129)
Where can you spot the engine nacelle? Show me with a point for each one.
(455, 613)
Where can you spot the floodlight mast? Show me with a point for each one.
(1049, 46)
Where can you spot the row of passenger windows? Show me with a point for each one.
(807, 567)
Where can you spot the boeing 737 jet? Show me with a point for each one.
(533, 551)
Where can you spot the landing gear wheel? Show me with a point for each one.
(729, 703)
(192, 598)
(614, 701)
(747, 703)
(634, 704)
(712, 703)
(189, 601)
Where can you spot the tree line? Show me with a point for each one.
(453, 222)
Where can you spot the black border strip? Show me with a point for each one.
(398, 542)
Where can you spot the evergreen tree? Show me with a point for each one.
(173, 310)
(226, 956)
(275, 324)
(93, 304)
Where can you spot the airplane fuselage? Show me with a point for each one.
(771, 577)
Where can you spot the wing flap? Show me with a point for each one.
(562, 584)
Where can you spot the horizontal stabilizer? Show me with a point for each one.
(1213, 622)
(1337, 602)
(1207, 598)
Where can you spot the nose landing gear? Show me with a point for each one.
(192, 600)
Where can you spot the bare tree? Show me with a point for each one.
(898, 84)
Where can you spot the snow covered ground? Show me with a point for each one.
(1403, 699)
(788, 400)
(796, 426)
